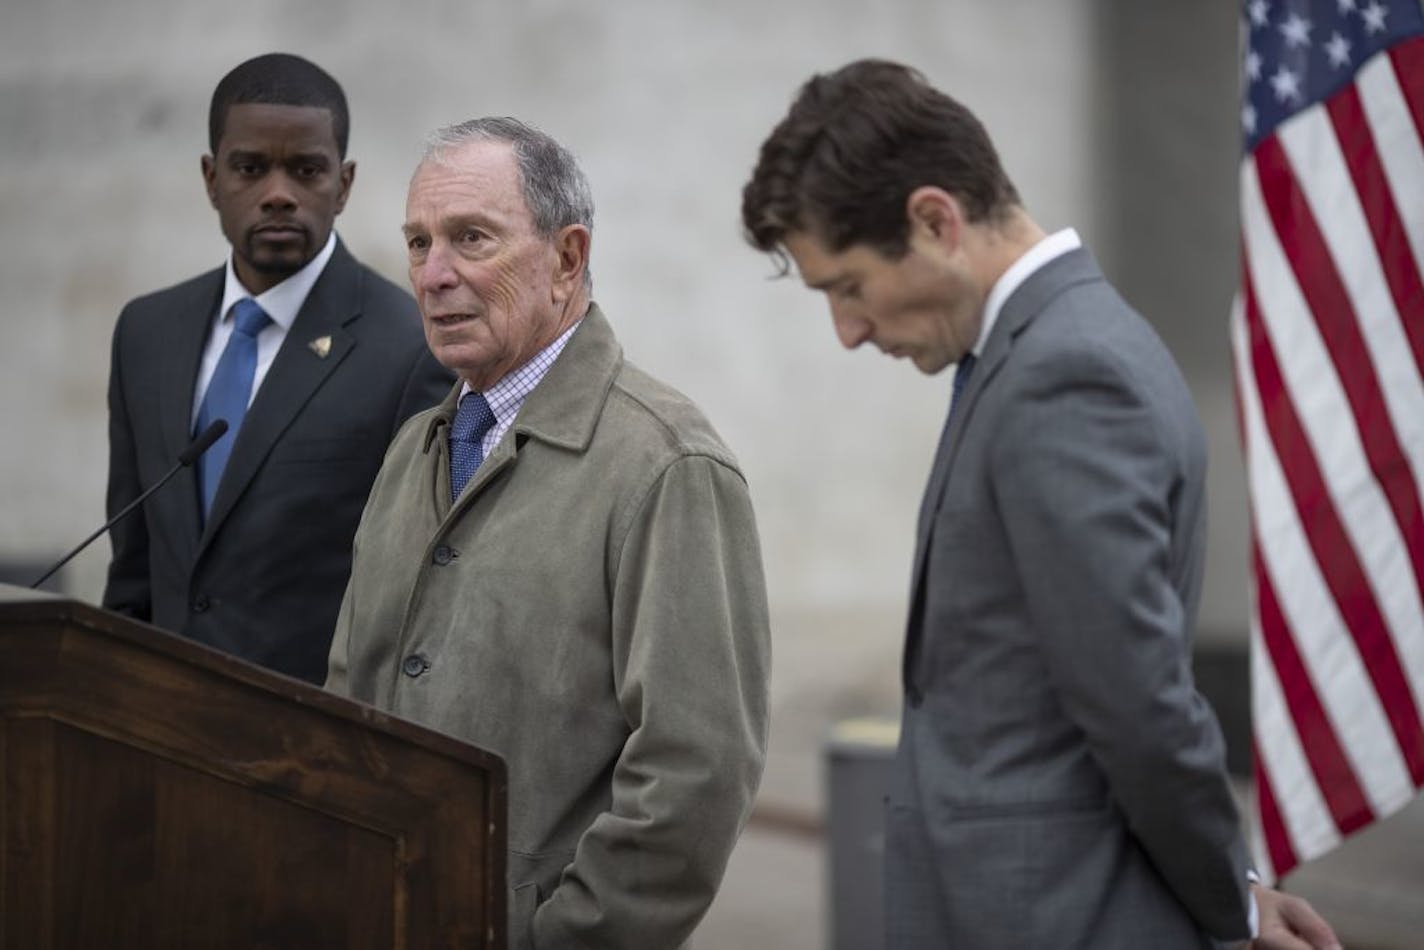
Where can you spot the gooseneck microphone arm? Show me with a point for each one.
(187, 457)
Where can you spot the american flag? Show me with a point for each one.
(1328, 339)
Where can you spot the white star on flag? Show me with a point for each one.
(1286, 85)
(1338, 49)
(1296, 30)
(1374, 15)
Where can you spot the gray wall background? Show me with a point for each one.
(1112, 116)
(1117, 118)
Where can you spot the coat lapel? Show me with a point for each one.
(563, 409)
(1025, 303)
(296, 373)
(189, 325)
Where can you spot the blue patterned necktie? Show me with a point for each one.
(229, 392)
(961, 380)
(467, 434)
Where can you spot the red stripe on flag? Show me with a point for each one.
(1391, 241)
(1273, 829)
(1236, 376)
(1333, 774)
(1331, 545)
(1408, 59)
(1319, 280)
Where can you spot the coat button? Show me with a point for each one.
(444, 555)
(201, 603)
(414, 665)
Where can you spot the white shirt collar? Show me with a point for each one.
(1055, 245)
(283, 301)
(507, 396)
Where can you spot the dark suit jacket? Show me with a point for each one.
(1059, 781)
(263, 579)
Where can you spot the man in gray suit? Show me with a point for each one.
(1059, 781)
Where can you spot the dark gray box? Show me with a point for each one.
(859, 756)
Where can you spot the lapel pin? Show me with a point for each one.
(321, 346)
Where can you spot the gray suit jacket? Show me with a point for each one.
(263, 577)
(1060, 782)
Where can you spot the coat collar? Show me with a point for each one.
(1029, 300)
(564, 408)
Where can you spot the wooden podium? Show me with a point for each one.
(158, 794)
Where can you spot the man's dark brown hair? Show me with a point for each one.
(855, 144)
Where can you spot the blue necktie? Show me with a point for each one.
(961, 380)
(229, 392)
(467, 433)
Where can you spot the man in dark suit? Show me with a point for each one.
(1059, 782)
(312, 359)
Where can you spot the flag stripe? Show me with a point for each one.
(1327, 339)
(1373, 186)
(1304, 815)
(1314, 265)
(1332, 548)
(1323, 231)
(1332, 770)
(1399, 141)
(1320, 227)
(1278, 841)
(1314, 621)
(1408, 60)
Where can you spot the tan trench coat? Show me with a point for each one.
(593, 610)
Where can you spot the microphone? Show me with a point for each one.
(187, 457)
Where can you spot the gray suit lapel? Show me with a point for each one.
(1027, 301)
(295, 375)
(188, 326)
(1030, 299)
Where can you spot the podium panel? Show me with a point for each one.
(158, 794)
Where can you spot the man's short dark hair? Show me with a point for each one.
(856, 143)
(279, 79)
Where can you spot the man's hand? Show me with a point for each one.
(1290, 923)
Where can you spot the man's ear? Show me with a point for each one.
(210, 179)
(348, 175)
(935, 216)
(570, 260)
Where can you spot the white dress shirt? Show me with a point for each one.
(281, 303)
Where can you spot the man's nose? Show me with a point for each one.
(851, 327)
(434, 272)
(280, 193)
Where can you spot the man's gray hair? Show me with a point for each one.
(555, 188)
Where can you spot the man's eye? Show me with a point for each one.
(247, 169)
(849, 291)
(472, 236)
(416, 243)
(308, 171)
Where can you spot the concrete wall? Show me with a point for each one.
(103, 111)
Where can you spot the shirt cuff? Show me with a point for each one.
(1253, 913)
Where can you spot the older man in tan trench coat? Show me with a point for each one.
(590, 605)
